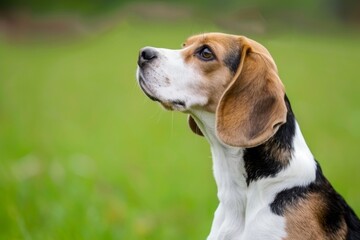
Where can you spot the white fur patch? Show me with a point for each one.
(169, 79)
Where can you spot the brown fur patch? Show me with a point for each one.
(277, 152)
(304, 221)
(215, 75)
(253, 107)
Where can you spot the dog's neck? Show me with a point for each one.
(265, 160)
(248, 179)
(243, 166)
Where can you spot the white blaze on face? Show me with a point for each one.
(170, 80)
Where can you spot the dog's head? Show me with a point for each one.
(231, 76)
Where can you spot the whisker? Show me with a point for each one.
(172, 124)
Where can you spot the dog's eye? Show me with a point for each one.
(206, 54)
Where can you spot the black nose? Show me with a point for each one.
(146, 55)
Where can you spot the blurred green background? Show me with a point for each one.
(85, 155)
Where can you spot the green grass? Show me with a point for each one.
(85, 155)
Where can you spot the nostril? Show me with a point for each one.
(148, 54)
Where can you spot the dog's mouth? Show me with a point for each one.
(170, 105)
(178, 103)
(174, 105)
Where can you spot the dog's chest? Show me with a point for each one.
(244, 211)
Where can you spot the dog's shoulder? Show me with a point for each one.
(316, 210)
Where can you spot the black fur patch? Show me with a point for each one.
(232, 60)
(260, 162)
(336, 207)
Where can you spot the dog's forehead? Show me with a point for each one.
(212, 38)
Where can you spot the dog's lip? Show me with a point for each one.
(179, 103)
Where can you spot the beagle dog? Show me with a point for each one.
(269, 184)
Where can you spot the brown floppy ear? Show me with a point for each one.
(194, 127)
(252, 108)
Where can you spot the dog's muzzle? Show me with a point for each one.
(146, 55)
